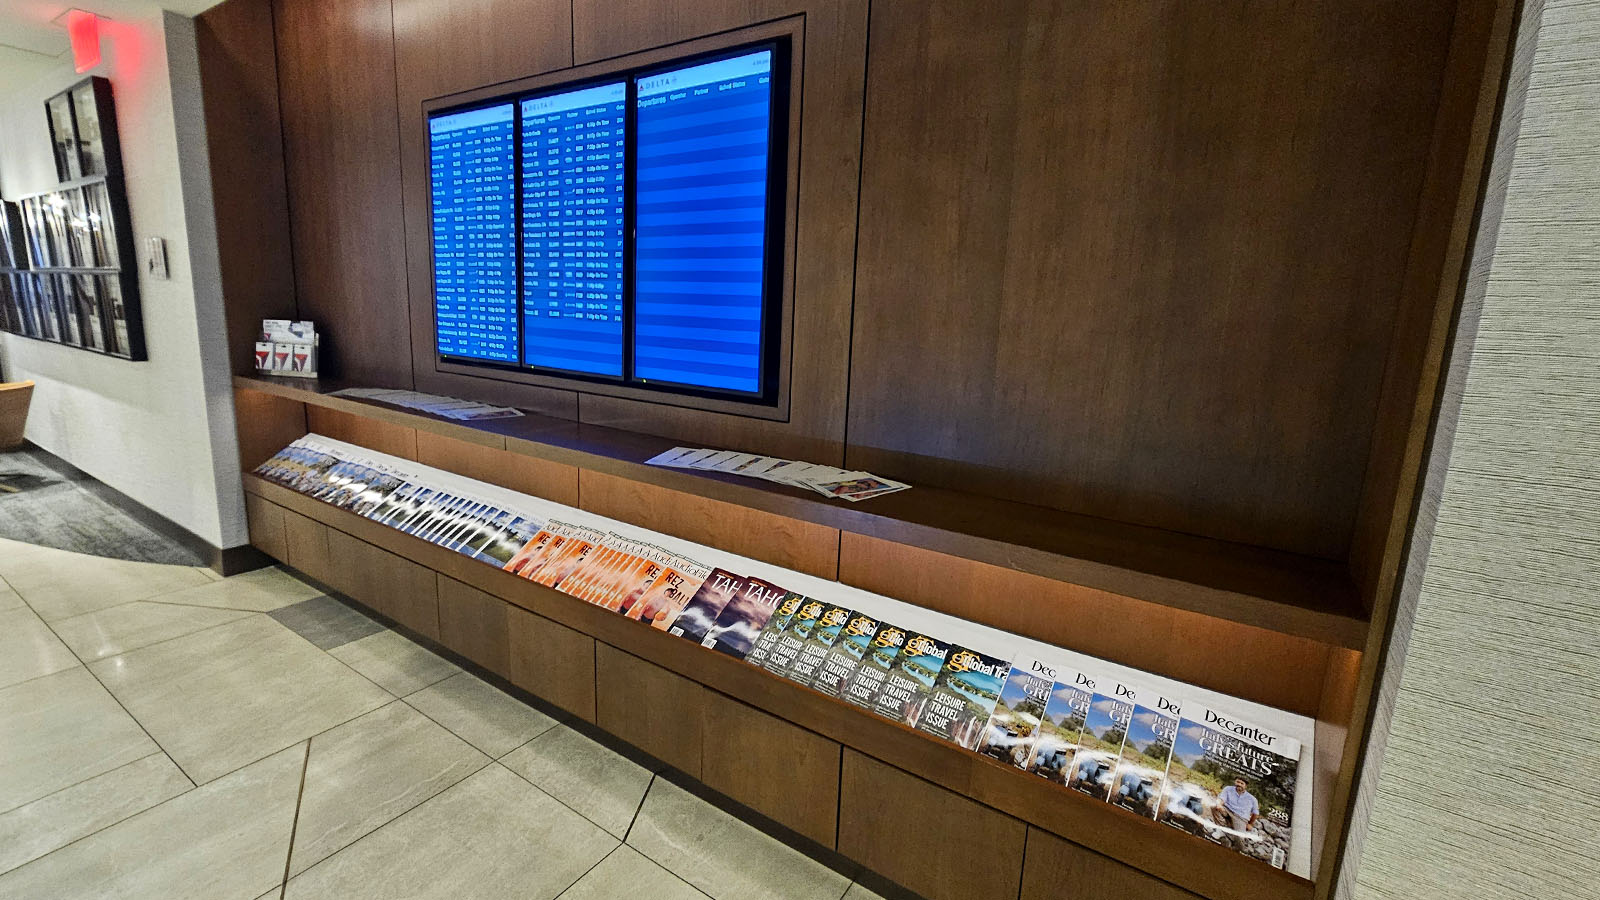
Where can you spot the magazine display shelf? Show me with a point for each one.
(810, 762)
(1283, 592)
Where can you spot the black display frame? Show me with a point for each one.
(774, 272)
(21, 282)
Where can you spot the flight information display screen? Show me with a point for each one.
(703, 145)
(471, 160)
(622, 229)
(574, 163)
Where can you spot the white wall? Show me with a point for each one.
(159, 431)
(1489, 783)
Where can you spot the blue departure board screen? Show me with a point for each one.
(472, 172)
(574, 165)
(703, 134)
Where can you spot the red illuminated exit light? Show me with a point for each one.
(83, 28)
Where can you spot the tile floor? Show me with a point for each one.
(168, 734)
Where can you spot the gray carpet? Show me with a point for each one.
(45, 501)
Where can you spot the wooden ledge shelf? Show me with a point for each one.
(1278, 591)
(1196, 865)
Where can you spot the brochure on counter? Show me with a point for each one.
(433, 404)
(1220, 768)
(825, 480)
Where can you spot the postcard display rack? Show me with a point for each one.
(66, 264)
(798, 750)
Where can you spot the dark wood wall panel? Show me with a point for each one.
(1213, 653)
(239, 69)
(445, 48)
(1147, 261)
(1056, 868)
(933, 841)
(778, 769)
(830, 96)
(553, 661)
(336, 82)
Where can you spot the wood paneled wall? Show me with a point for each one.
(1147, 260)
(1142, 261)
(336, 83)
(239, 72)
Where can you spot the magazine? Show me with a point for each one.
(564, 560)
(1014, 723)
(774, 629)
(839, 665)
(904, 692)
(1233, 783)
(882, 654)
(1140, 779)
(627, 569)
(536, 553)
(660, 563)
(963, 696)
(500, 546)
(719, 589)
(786, 649)
(1062, 724)
(815, 647)
(1100, 743)
(671, 592)
(735, 630)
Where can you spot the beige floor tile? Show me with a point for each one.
(491, 836)
(262, 590)
(28, 648)
(722, 856)
(61, 729)
(398, 664)
(230, 695)
(602, 785)
(9, 599)
(368, 771)
(481, 714)
(59, 584)
(629, 873)
(130, 626)
(857, 892)
(31, 831)
(227, 839)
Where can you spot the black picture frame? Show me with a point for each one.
(66, 271)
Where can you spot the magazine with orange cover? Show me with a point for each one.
(658, 562)
(584, 583)
(566, 560)
(532, 555)
(622, 570)
(672, 592)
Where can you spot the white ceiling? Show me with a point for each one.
(31, 41)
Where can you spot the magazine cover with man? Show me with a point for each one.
(1100, 743)
(1141, 776)
(1014, 724)
(1233, 783)
(671, 592)
(1061, 726)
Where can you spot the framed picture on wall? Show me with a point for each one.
(65, 247)
(64, 137)
(86, 121)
